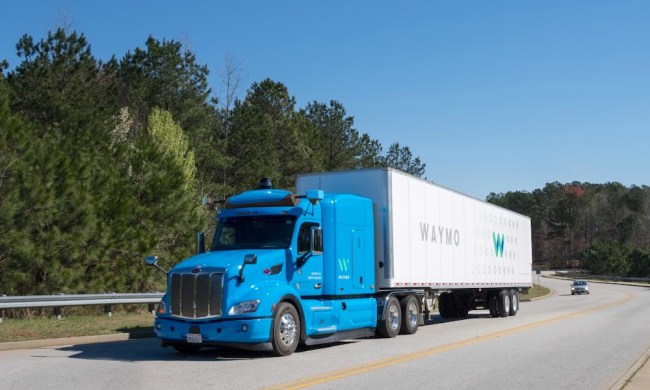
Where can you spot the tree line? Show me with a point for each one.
(602, 228)
(102, 163)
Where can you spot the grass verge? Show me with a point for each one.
(535, 292)
(78, 325)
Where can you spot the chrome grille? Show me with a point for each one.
(196, 295)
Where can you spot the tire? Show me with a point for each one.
(503, 303)
(286, 330)
(443, 305)
(461, 310)
(492, 304)
(410, 315)
(448, 308)
(390, 326)
(186, 348)
(514, 302)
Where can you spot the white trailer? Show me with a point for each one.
(470, 253)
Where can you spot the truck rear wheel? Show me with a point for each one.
(410, 315)
(286, 330)
(389, 327)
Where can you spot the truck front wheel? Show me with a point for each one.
(391, 324)
(286, 330)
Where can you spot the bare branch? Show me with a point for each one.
(64, 18)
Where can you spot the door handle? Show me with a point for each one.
(318, 285)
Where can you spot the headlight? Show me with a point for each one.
(244, 307)
(162, 307)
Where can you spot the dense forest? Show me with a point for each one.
(602, 228)
(102, 163)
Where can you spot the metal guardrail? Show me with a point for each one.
(581, 275)
(58, 301)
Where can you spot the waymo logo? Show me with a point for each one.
(344, 264)
(498, 240)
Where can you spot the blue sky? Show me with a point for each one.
(494, 96)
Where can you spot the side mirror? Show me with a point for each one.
(152, 261)
(248, 259)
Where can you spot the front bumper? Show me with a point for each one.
(239, 332)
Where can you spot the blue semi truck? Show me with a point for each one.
(353, 254)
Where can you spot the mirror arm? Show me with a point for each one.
(303, 259)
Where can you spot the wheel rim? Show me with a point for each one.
(393, 316)
(412, 314)
(506, 300)
(515, 302)
(288, 329)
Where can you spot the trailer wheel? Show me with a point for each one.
(390, 326)
(444, 302)
(448, 308)
(503, 303)
(286, 330)
(492, 304)
(443, 305)
(462, 310)
(514, 302)
(410, 315)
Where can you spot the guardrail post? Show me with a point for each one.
(152, 309)
(2, 312)
(57, 313)
(108, 311)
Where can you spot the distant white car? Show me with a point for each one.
(579, 287)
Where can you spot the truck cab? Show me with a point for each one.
(282, 270)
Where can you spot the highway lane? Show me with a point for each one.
(560, 342)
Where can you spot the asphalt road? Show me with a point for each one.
(559, 342)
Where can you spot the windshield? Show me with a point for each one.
(254, 232)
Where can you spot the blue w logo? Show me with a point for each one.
(499, 240)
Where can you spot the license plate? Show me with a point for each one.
(194, 338)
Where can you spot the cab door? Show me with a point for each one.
(308, 276)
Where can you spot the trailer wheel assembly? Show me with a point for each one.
(503, 303)
(514, 302)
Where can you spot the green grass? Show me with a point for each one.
(74, 325)
(535, 292)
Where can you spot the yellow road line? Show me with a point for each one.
(304, 383)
